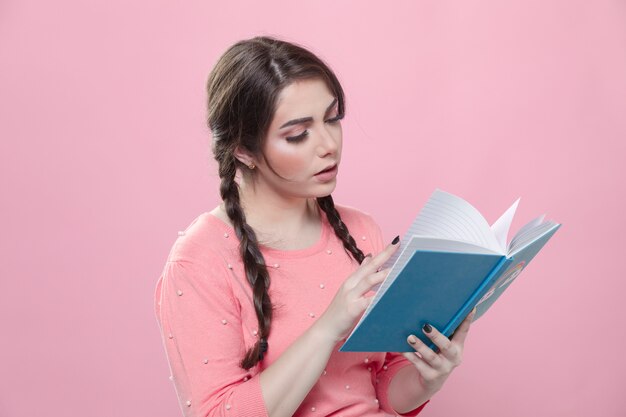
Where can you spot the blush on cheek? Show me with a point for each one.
(288, 160)
(290, 167)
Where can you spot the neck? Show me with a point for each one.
(287, 223)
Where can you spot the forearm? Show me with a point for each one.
(287, 381)
(405, 392)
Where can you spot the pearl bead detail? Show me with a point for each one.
(363, 238)
(254, 332)
(311, 315)
(324, 373)
(179, 292)
(322, 286)
(225, 234)
(366, 360)
(171, 336)
(230, 266)
(245, 378)
(188, 403)
(385, 367)
(181, 233)
(347, 386)
(312, 408)
(224, 321)
(205, 361)
(369, 368)
(276, 266)
(228, 406)
(328, 251)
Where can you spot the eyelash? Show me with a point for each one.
(301, 136)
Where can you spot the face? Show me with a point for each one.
(302, 150)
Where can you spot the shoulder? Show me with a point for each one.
(200, 258)
(362, 227)
(356, 219)
(205, 240)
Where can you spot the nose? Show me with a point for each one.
(328, 142)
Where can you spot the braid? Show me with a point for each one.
(254, 263)
(341, 230)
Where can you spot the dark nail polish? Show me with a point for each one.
(395, 240)
(427, 328)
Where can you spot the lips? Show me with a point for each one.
(329, 168)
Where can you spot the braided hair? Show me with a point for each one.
(243, 88)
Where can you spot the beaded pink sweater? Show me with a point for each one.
(204, 309)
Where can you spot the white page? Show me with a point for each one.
(501, 227)
(450, 217)
(522, 235)
(530, 225)
(531, 236)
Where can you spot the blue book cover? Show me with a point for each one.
(453, 261)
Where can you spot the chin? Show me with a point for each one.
(327, 190)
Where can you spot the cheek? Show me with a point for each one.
(290, 161)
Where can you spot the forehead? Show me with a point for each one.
(302, 98)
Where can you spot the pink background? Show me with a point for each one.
(104, 157)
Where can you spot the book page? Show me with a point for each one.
(520, 241)
(447, 216)
(528, 226)
(501, 227)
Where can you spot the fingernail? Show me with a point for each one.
(412, 339)
(427, 328)
(395, 240)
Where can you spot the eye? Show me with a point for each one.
(335, 119)
(299, 138)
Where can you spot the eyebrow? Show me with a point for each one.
(307, 119)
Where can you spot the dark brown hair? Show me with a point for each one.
(243, 88)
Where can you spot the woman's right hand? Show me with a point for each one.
(350, 301)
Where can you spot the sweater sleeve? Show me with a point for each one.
(393, 361)
(200, 324)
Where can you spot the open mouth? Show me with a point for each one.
(329, 169)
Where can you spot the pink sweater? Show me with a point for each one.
(204, 309)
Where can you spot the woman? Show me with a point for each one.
(240, 346)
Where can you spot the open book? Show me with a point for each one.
(450, 261)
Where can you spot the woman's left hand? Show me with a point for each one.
(435, 368)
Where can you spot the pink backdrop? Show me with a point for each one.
(104, 157)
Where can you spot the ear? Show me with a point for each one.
(243, 156)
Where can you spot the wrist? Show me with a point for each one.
(323, 331)
(407, 391)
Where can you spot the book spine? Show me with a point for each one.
(476, 296)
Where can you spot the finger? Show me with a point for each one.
(423, 368)
(426, 353)
(379, 260)
(353, 279)
(373, 265)
(461, 332)
(367, 282)
(443, 343)
(366, 259)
